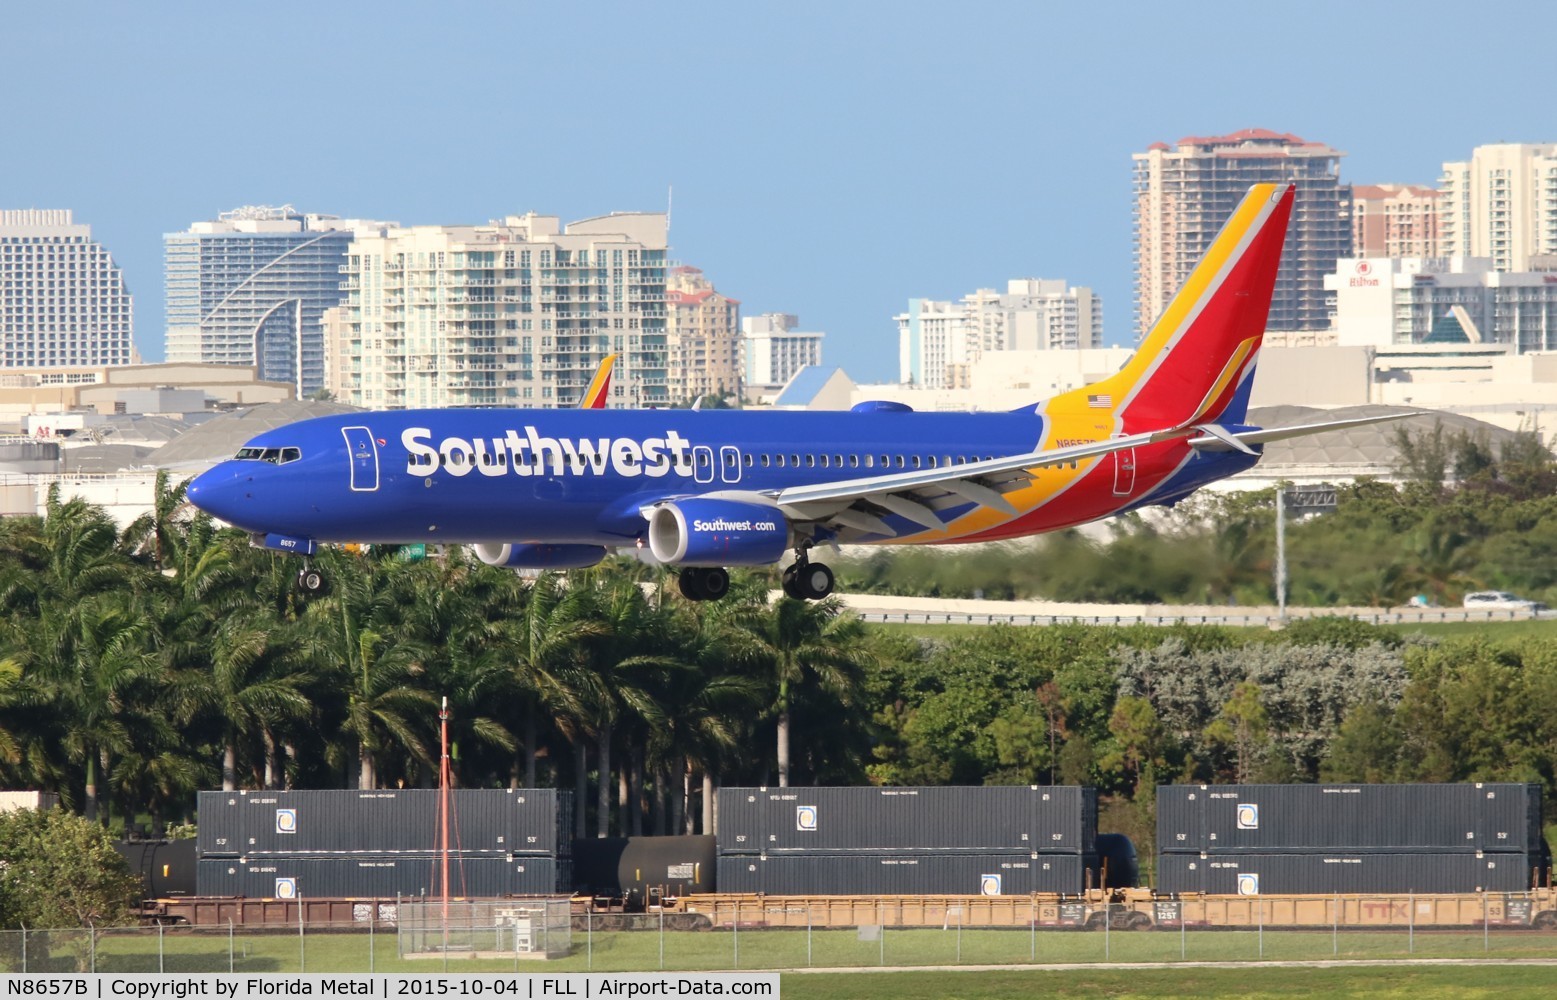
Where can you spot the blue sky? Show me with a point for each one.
(829, 159)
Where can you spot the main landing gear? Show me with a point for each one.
(805, 580)
(704, 583)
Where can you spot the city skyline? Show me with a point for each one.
(823, 186)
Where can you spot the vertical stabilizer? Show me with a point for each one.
(1197, 363)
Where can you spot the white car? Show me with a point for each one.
(1500, 600)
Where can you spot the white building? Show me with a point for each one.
(1416, 300)
(518, 312)
(1500, 204)
(251, 286)
(938, 340)
(773, 350)
(63, 301)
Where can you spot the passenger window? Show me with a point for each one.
(870, 461)
(932, 461)
(948, 459)
(794, 460)
(886, 461)
(900, 461)
(854, 461)
(781, 461)
(916, 461)
(748, 461)
(810, 461)
(824, 461)
(838, 461)
(765, 461)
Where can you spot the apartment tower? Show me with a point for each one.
(251, 288)
(516, 313)
(1394, 220)
(1184, 193)
(63, 302)
(1502, 204)
(703, 337)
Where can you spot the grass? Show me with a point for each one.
(1417, 983)
(188, 950)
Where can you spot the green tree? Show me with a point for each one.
(60, 870)
(1243, 725)
(798, 645)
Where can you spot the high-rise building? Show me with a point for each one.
(249, 288)
(1445, 300)
(518, 312)
(1501, 203)
(937, 341)
(773, 350)
(702, 335)
(1394, 220)
(63, 301)
(1183, 195)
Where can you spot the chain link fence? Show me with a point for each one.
(760, 934)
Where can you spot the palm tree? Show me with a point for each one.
(377, 664)
(157, 532)
(797, 645)
(254, 681)
(101, 672)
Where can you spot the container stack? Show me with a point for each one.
(989, 840)
(344, 843)
(1298, 839)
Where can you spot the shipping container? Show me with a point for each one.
(339, 821)
(991, 819)
(384, 875)
(1387, 819)
(906, 874)
(166, 867)
(1296, 874)
(641, 868)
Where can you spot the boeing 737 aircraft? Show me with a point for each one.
(706, 490)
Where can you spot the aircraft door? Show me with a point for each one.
(703, 464)
(730, 464)
(363, 454)
(1124, 472)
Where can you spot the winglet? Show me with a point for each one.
(594, 397)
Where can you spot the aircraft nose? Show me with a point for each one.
(223, 492)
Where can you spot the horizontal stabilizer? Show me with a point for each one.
(1220, 442)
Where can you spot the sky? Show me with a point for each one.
(828, 159)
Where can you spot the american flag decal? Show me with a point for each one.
(1103, 401)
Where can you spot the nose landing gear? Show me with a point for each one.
(310, 581)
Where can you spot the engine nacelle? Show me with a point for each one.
(527, 556)
(710, 532)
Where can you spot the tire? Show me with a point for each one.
(715, 583)
(791, 583)
(815, 581)
(1546, 920)
(311, 581)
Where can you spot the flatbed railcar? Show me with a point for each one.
(1119, 909)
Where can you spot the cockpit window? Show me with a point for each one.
(275, 456)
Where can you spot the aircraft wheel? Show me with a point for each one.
(814, 581)
(716, 583)
(310, 581)
(791, 583)
(690, 581)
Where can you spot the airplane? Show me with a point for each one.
(702, 491)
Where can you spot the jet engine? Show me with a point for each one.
(715, 532)
(528, 556)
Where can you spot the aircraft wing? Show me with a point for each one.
(919, 495)
(1221, 442)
